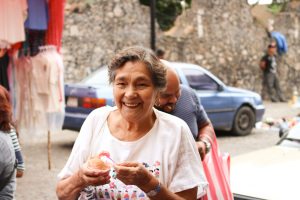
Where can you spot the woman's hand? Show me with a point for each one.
(89, 176)
(69, 188)
(132, 173)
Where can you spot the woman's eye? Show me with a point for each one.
(120, 84)
(142, 85)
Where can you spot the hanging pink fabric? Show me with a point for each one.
(56, 23)
(217, 166)
(12, 16)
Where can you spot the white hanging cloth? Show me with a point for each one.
(40, 99)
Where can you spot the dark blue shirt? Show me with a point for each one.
(189, 109)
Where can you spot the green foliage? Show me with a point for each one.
(166, 11)
(276, 7)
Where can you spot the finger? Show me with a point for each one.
(94, 172)
(97, 173)
(100, 180)
(127, 167)
(123, 171)
(129, 164)
(123, 166)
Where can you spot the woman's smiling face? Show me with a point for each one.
(134, 91)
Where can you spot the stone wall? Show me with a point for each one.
(288, 24)
(93, 33)
(222, 36)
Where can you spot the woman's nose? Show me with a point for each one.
(131, 92)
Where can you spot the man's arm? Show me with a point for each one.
(206, 131)
(206, 135)
(262, 64)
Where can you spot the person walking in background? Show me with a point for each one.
(268, 64)
(153, 154)
(13, 133)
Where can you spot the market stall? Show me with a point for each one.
(31, 65)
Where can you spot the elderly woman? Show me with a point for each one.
(153, 154)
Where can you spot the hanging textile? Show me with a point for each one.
(35, 39)
(37, 15)
(56, 106)
(41, 88)
(36, 25)
(12, 17)
(56, 22)
(33, 69)
(24, 107)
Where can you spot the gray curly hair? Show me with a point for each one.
(139, 54)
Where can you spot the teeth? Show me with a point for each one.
(169, 107)
(130, 104)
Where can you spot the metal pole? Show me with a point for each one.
(49, 150)
(152, 23)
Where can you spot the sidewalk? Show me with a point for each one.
(279, 110)
(279, 115)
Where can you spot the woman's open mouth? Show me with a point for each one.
(131, 105)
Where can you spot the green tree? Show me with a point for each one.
(167, 11)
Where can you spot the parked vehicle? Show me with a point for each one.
(229, 108)
(270, 173)
(81, 98)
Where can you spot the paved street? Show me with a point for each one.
(259, 138)
(38, 182)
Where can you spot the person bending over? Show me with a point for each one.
(181, 101)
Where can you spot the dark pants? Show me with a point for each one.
(271, 82)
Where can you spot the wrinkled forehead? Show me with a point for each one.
(134, 68)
